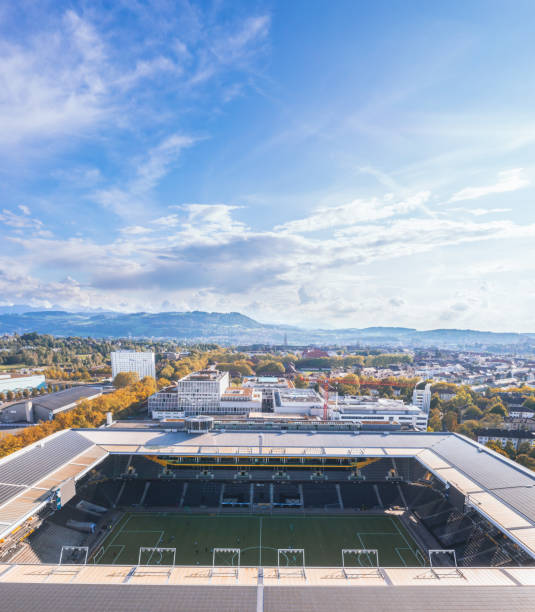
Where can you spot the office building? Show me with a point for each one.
(142, 363)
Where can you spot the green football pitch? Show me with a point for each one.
(258, 537)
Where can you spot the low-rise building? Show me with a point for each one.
(20, 383)
(502, 436)
(364, 409)
(46, 407)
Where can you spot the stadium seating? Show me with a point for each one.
(359, 495)
(285, 495)
(261, 493)
(203, 494)
(131, 493)
(320, 495)
(163, 493)
(103, 493)
(390, 494)
(237, 494)
(378, 470)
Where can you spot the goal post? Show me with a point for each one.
(443, 562)
(156, 555)
(290, 559)
(73, 555)
(223, 558)
(356, 560)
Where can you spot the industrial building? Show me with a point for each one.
(46, 407)
(20, 383)
(142, 363)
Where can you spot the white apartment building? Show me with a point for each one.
(422, 398)
(132, 361)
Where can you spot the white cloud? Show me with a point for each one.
(508, 180)
(132, 198)
(479, 212)
(357, 211)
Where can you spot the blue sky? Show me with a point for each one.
(315, 163)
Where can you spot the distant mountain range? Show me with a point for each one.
(235, 328)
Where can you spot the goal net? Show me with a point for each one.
(73, 555)
(155, 555)
(226, 561)
(443, 563)
(360, 562)
(291, 562)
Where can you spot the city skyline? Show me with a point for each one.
(321, 165)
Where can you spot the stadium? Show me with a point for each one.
(200, 515)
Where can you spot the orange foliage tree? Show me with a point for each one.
(88, 413)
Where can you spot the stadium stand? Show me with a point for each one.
(320, 495)
(205, 494)
(359, 495)
(165, 493)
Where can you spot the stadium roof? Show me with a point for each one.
(190, 589)
(501, 490)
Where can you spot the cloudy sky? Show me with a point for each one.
(306, 162)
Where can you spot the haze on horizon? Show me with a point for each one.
(321, 164)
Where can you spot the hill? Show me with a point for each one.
(233, 328)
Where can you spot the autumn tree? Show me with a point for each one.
(123, 379)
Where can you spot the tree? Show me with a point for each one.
(524, 448)
(123, 379)
(435, 420)
(270, 368)
(472, 412)
(526, 461)
(499, 409)
(510, 449)
(300, 382)
(163, 382)
(450, 421)
(496, 447)
(529, 403)
(167, 372)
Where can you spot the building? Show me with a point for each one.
(46, 407)
(266, 386)
(197, 393)
(382, 412)
(201, 392)
(20, 383)
(422, 398)
(502, 436)
(303, 402)
(142, 363)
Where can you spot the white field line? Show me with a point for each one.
(405, 540)
(157, 544)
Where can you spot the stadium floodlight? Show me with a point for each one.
(73, 555)
(445, 560)
(156, 556)
(290, 559)
(362, 558)
(226, 557)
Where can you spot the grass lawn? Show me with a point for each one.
(258, 538)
